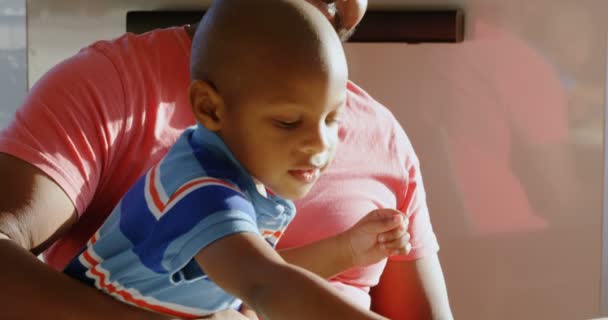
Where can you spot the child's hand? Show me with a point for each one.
(381, 233)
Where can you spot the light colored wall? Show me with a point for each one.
(59, 28)
(508, 126)
(13, 68)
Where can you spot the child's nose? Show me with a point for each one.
(317, 141)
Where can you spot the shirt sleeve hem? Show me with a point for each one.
(47, 166)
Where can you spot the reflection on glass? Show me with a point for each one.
(512, 162)
(508, 177)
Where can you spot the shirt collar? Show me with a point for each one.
(272, 204)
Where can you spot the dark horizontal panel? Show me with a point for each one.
(411, 26)
(377, 26)
(144, 21)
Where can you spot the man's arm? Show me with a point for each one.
(412, 290)
(33, 212)
(269, 285)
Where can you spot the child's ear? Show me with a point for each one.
(207, 105)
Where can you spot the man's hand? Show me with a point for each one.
(381, 233)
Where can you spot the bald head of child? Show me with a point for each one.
(268, 76)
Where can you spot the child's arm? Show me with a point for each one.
(246, 266)
(380, 233)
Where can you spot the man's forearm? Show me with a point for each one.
(325, 258)
(32, 290)
(412, 290)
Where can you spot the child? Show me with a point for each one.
(195, 235)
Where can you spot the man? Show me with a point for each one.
(82, 138)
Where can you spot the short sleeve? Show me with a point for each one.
(194, 220)
(413, 203)
(64, 126)
(423, 239)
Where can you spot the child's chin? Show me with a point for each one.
(296, 194)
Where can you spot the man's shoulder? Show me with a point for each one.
(159, 43)
(366, 107)
(369, 119)
(366, 112)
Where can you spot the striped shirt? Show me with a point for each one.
(198, 193)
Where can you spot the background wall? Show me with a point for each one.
(508, 126)
(13, 68)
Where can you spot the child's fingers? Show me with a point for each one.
(398, 246)
(384, 212)
(393, 234)
(402, 251)
(382, 220)
(397, 243)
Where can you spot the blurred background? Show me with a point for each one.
(508, 124)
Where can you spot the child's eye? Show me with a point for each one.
(286, 124)
(332, 120)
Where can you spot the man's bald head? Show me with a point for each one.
(243, 47)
